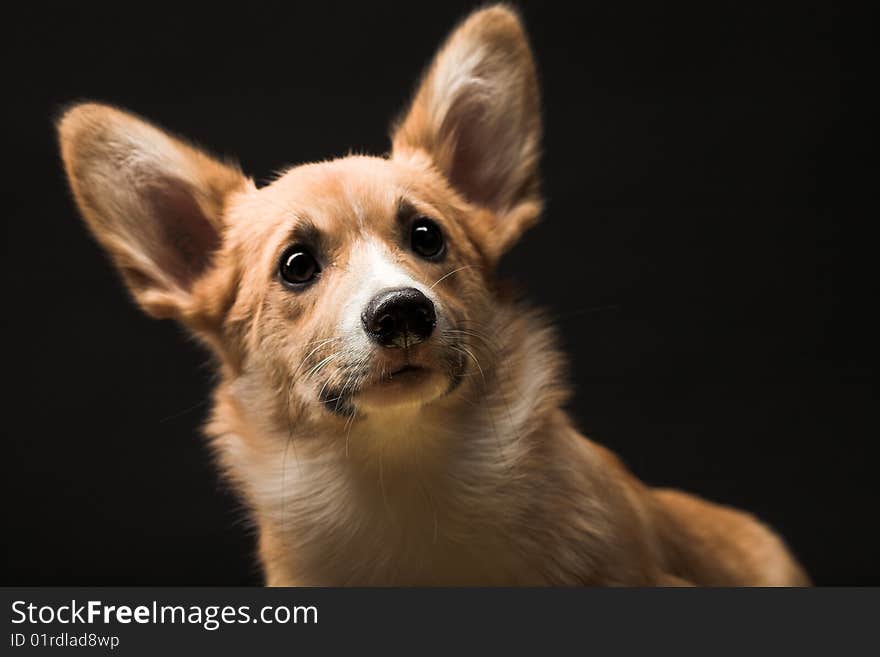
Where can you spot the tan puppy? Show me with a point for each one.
(389, 415)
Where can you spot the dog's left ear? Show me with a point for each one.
(476, 115)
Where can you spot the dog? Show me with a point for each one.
(389, 412)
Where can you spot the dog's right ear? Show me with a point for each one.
(154, 203)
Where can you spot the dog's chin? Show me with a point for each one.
(395, 380)
(409, 385)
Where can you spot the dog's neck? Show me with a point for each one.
(419, 483)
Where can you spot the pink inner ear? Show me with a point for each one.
(486, 154)
(186, 240)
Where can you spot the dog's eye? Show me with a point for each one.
(297, 266)
(426, 238)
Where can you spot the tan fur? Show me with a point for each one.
(421, 483)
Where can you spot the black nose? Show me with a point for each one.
(399, 318)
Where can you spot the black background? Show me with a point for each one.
(707, 182)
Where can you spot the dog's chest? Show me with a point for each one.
(337, 525)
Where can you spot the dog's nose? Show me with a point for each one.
(399, 318)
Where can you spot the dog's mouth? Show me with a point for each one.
(399, 380)
(406, 384)
(406, 371)
(408, 379)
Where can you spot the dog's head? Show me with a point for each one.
(357, 284)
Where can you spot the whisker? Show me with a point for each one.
(321, 364)
(176, 415)
(287, 446)
(350, 380)
(474, 358)
(349, 424)
(487, 406)
(321, 391)
(445, 276)
(485, 391)
(488, 342)
(310, 354)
